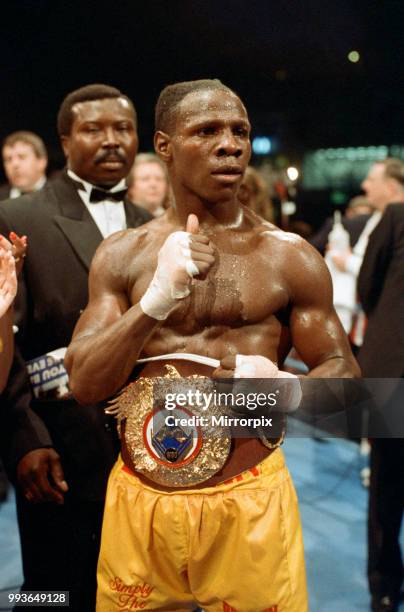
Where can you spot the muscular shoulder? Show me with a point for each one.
(121, 253)
(118, 249)
(301, 265)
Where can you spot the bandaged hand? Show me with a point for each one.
(182, 256)
(286, 386)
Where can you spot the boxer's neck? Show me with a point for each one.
(227, 214)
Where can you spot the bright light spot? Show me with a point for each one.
(261, 145)
(288, 208)
(293, 173)
(354, 57)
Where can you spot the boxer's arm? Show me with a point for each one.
(110, 333)
(316, 331)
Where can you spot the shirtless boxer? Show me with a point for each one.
(209, 278)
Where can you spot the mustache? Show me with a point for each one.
(116, 155)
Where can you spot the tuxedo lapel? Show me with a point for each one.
(134, 216)
(75, 221)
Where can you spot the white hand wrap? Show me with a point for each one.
(256, 366)
(172, 278)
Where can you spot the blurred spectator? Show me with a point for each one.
(381, 290)
(148, 184)
(356, 215)
(359, 205)
(25, 160)
(253, 193)
(344, 280)
(383, 185)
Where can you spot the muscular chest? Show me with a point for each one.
(239, 289)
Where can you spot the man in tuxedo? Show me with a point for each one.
(381, 290)
(25, 160)
(60, 455)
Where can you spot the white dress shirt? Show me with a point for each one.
(108, 215)
(354, 261)
(15, 192)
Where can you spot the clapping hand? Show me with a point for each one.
(8, 279)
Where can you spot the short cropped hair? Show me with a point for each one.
(393, 168)
(171, 96)
(29, 138)
(97, 91)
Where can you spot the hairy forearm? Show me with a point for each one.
(6, 346)
(100, 363)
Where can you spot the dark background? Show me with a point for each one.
(286, 59)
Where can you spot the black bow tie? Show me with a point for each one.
(99, 195)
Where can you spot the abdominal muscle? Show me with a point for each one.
(219, 341)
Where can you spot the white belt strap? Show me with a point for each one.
(209, 361)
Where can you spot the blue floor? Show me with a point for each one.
(333, 509)
(10, 557)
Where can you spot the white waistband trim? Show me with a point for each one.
(209, 361)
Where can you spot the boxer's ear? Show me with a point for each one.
(162, 145)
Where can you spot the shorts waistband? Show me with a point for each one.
(270, 465)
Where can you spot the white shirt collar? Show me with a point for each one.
(15, 192)
(108, 215)
(88, 186)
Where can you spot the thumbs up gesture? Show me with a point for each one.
(182, 256)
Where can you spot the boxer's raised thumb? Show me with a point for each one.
(192, 224)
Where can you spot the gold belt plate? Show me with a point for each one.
(179, 456)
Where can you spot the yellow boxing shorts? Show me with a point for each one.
(234, 547)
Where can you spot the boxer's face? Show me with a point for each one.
(102, 143)
(210, 146)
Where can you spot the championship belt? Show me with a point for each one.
(167, 452)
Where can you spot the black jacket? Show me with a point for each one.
(381, 291)
(62, 239)
(4, 192)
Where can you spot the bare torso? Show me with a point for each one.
(265, 290)
(241, 306)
